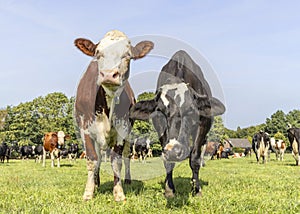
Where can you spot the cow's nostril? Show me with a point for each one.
(116, 75)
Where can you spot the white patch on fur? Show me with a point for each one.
(61, 137)
(119, 193)
(98, 130)
(180, 89)
(296, 151)
(112, 49)
(90, 184)
(171, 144)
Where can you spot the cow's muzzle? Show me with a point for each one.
(109, 78)
(175, 151)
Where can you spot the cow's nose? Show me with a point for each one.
(111, 77)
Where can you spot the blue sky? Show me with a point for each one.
(252, 47)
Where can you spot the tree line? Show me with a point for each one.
(27, 122)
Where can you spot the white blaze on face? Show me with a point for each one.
(113, 53)
(61, 137)
(180, 89)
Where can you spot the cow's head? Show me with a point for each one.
(113, 54)
(177, 111)
(261, 138)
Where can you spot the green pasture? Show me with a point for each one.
(228, 186)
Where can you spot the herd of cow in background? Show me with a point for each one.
(262, 146)
(181, 112)
(140, 149)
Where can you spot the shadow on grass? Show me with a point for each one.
(135, 187)
(67, 165)
(183, 189)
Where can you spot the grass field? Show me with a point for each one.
(228, 186)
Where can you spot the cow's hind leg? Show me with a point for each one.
(116, 163)
(169, 185)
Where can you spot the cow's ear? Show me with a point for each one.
(86, 46)
(142, 109)
(141, 49)
(217, 107)
(209, 107)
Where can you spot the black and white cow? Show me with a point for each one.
(182, 109)
(102, 105)
(261, 145)
(294, 138)
(38, 153)
(73, 151)
(140, 148)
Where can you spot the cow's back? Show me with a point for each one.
(181, 68)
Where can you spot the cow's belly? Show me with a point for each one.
(99, 130)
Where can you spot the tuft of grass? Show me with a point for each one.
(228, 186)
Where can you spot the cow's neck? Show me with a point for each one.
(112, 98)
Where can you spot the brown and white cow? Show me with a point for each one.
(102, 105)
(53, 141)
(279, 147)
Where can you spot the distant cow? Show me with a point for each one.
(26, 151)
(140, 148)
(73, 151)
(53, 142)
(294, 138)
(279, 147)
(182, 113)
(38, 153)
(261, 145)
(247, 152)
(4, 152)
(102, 105)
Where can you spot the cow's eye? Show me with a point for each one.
(126, 55)
(99, 54)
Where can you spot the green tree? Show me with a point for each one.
(217, 132)
(293, 118)
(277, 123)
(28, 122)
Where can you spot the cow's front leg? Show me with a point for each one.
(126, 156)
(116, 163)
(93, 179)
(195, 164)
(169, 185)
(52, 158)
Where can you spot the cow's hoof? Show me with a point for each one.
(127, 181)
(87, 196)
(169, 193)
(198, 194)
(118, 193)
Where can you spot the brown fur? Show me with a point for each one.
(50, 141)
